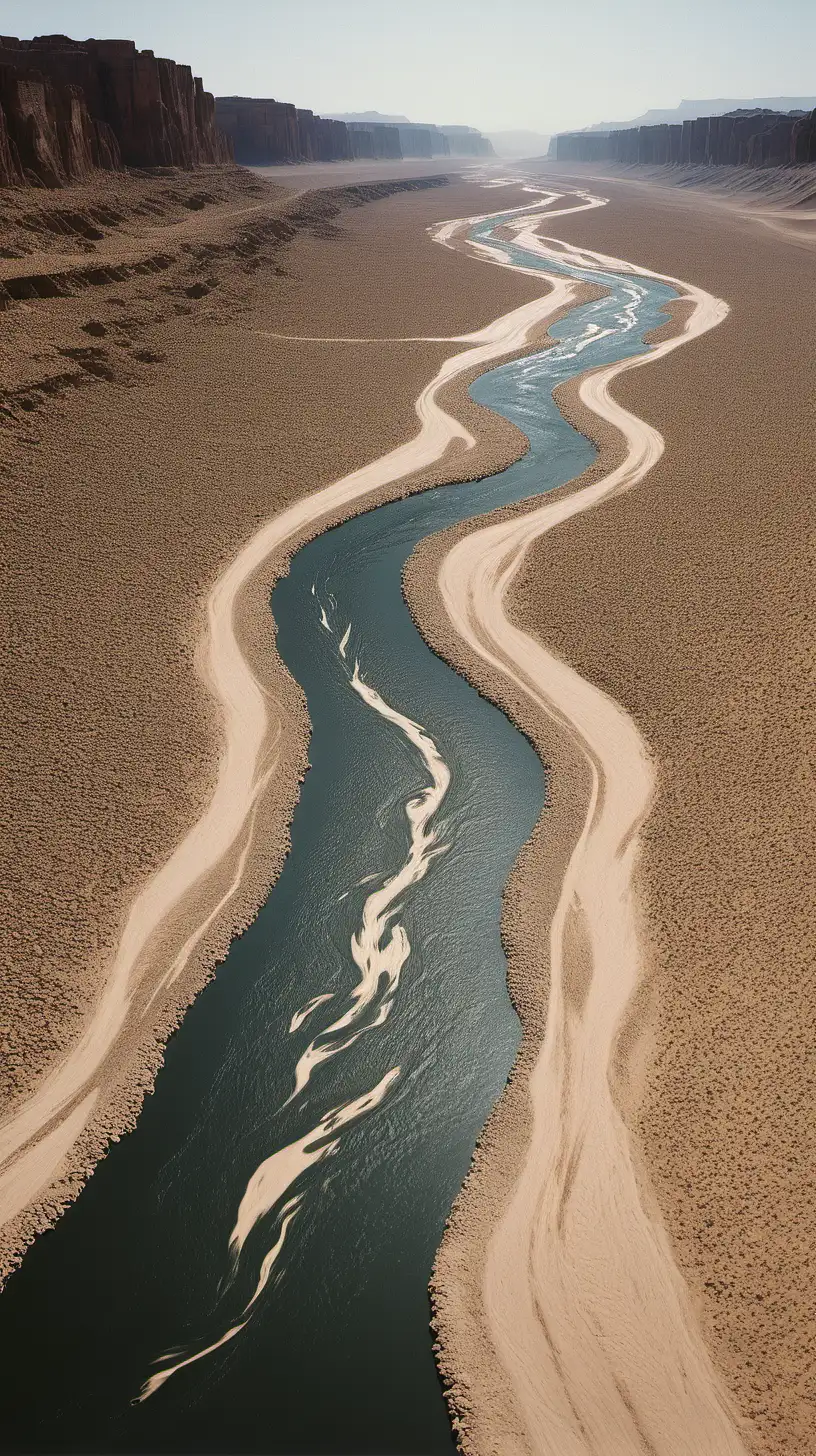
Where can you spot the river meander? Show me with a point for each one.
(336, 1354)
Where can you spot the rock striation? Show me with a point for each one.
(803, 139)
(416, 141)
(744, 138)
(68, 106)
(375, 140)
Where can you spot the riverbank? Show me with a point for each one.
(505, 1258)
(138, 482)
(710, 566)
(688, 601)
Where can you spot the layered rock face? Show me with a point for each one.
(68, 106)
(412, 137)
(803, 139)
(264, 132)
(416, 141)
(322, 140)
(376, 141)
(740, 138)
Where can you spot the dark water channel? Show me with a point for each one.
(336, 1357)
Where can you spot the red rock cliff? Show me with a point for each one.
(67, 106)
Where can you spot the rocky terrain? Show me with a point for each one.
(739, 138)
(69, 106)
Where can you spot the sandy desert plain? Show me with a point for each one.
(179, 396)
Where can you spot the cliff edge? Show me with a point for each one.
(68, 106)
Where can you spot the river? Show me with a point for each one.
(376, 965)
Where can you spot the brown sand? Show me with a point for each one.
(128, 484)
(691, 602)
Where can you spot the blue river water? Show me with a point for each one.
(336, 1356)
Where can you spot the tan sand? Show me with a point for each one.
(130, 491)
(577, 936)
(690, 602)
(717, 664)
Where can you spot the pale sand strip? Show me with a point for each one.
(34, 1170)
(586, 1310)
(243, 768)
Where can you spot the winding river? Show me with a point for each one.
(247, 1271)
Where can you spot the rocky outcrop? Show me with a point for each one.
(739, 138)
(68, 106)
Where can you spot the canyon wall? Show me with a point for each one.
(740, 138)
(466, 141)
(416, 141)
(803, 139)
(264, 132)
(375, 140)
(68, 106)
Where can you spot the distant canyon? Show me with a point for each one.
(744, 137)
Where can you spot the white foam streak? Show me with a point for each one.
(157, 1381)
(306, 1011)
(381, 946)
(267, 1186)
(273, 1178)
(269, 1262)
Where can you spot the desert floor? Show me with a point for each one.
(151, 422)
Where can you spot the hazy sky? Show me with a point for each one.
(495, 64)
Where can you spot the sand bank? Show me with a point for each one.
(623, 1356)
(690, 602)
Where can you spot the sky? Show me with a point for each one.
(546, 65)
